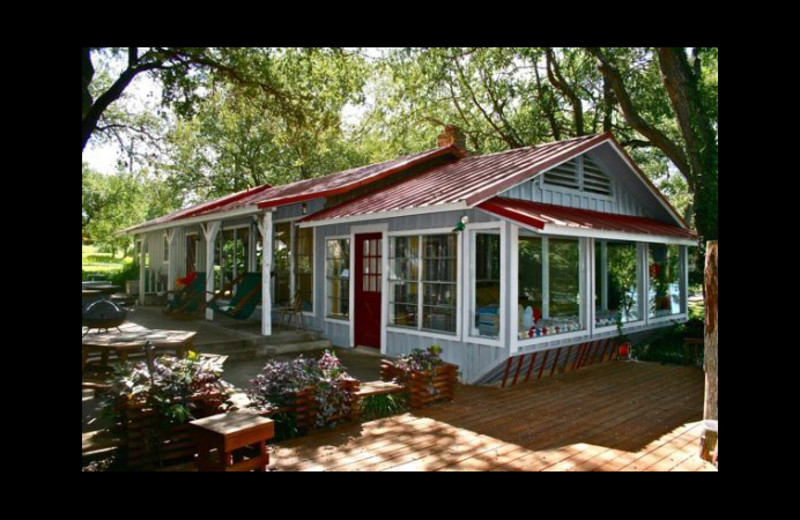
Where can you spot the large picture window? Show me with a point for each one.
(550, 282)
(486, 284)
(304, 267)
(337, 274)
(616, 282)
(664, 271)
(428, 263)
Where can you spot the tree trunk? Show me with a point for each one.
(711, 360)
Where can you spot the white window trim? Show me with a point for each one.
(586, 268)
(682, 280)
(326, 313)
(469, 276)
(418, 330)
(641, 295)
(293, 284)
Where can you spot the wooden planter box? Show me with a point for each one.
(305, 406)
(148, 445)
(419, 383)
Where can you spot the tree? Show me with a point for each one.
(691, 91)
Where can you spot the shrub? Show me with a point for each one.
(274, 388)
(666, 346)
(174, 387)
(377, 406)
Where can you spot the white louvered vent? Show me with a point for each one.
(564, 175)
(581, 174)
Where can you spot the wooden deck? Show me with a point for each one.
(610, 417)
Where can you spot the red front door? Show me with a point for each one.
(368, 290)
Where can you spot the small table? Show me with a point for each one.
(121, 344)
(228, 434)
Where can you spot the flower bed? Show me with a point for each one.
(315, 393)
(151, 402)
(427, 377)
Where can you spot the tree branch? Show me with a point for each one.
(558, 81)
(670, 148)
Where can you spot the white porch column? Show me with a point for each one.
(210, 230)
(265, 226)
(142, 272)
(171, 259)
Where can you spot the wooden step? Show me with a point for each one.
(370, 388)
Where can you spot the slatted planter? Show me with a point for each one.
(306, 408)
(148, 445)
(442, 380)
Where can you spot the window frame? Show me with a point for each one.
(418, 330)
(641, 249)
(327, 316)
(293, 265)
(586, 284)
(501, 227)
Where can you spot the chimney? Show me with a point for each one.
(452, 135)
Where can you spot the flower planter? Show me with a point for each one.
(424, 386)
(150, 444)
(305, 406)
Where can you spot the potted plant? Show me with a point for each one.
(303, 393)
(151, 401)
(425, 374)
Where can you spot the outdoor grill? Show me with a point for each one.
(102, 314)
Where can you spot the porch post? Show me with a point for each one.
(210, 230)
(266, 268)
(251, 249)
(171, 259)
(142, 272)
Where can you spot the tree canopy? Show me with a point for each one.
(230, 119)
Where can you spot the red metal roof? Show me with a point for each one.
(267, 196)
(467, 181)
(538, 215)
(208, 206)
(349, 179)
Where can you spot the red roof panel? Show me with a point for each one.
(468, 180)
(538, 215)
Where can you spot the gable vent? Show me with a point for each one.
(581, 174)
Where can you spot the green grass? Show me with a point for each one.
(96, 262)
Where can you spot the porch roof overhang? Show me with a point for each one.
(562, 220)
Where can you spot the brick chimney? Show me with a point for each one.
(452, 135)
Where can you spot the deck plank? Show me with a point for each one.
(605, 417)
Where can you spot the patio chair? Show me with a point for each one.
(188, 301)
(245, 298)
(294, 310)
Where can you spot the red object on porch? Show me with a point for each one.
(367, 283)
(539, 215)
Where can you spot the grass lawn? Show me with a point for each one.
(95, 262)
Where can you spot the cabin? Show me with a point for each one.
(492, 257)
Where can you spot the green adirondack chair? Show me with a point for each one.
(189, 301)
(245, 299)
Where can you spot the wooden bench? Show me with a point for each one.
(370, 388)
(222, 440)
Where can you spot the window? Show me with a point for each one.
(550, 282)
(404, 281)
(486, 284)
(428, 263)
(581, 174)
(440, 282)
(281, 257)
(337, 274)
(304, 267)
(616, 283)
(664, 270)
